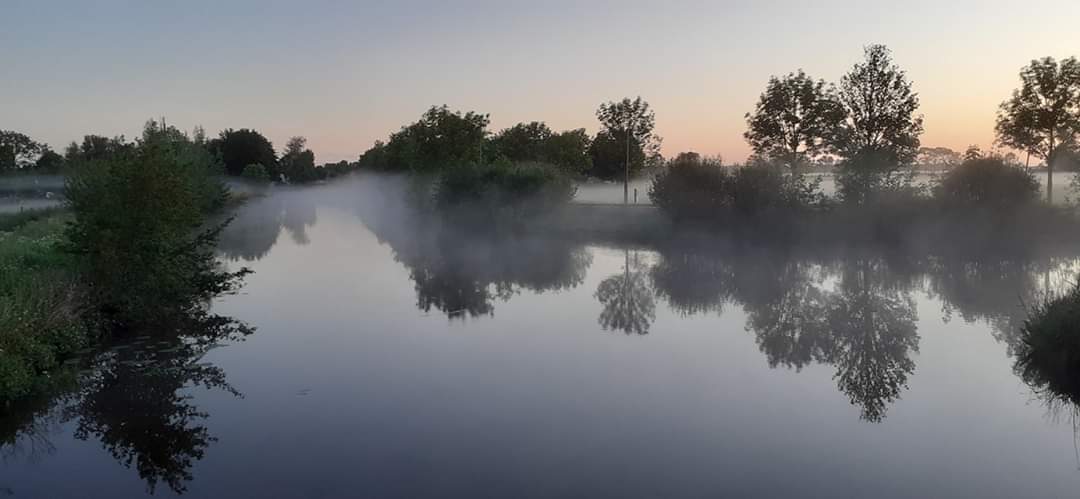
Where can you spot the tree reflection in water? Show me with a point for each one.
(135, 401)
(872, 332)
(851, 315)
(258, 224)
(627, 300)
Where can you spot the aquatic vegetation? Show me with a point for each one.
(1048, 358)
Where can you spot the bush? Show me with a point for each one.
(256, 172)
(503, 189)
(42, 316)
(873, 176)
(696, 188)
(140, 232)
(987, 182)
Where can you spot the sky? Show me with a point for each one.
(344, 74)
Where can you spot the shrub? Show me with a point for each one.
(503, 189)
(987, 182)
(257, 172)
(140, 232)
(696, 188)
(42, 317)
(871, 176)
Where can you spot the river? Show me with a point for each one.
(390, 360)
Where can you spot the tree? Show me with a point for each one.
(608, 156)
(17, 151)
(96, 147)
(1044, 112)
(240, 148)
(521, 142)
(569, 150)
(880, 110)
(440, 139)
(298, 162)
(793, 119)
(627, 123)
(49, 161)
(941, 158)
(535, 142)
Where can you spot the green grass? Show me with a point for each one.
(42, 311)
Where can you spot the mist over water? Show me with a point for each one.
(612, 192)
(399, 356)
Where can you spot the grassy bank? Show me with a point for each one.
(43, 318)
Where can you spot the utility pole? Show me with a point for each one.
(626, 176)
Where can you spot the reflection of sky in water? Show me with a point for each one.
(351, 390)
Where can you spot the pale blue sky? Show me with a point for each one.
(346, 73)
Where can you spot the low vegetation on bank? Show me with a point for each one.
(131, 251)
(1048, 359)
(44, 316)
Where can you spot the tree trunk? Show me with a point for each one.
(1050, 171)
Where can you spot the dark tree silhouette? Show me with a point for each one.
(1044, 112)
(18, 151)
(440, 139)
(298, 162)
(626, 123)
(96, 147)
(240, 148)
(793, 119)
(880, 108)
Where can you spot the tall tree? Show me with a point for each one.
(49, 161)
(793, 119)
(880, 110)
(440, 139)
(521, 142)
(569, 150)
(298, 162)
(938, 157)
(1044, 112)
(17, 151)
(96, 147)
(629, 123)
(240, 148)
(535, 141)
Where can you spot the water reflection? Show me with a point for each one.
(852, 308)
(134, 399)
(626, 298)
(871, 335)
(255, 230)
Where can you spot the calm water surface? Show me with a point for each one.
(393, 359)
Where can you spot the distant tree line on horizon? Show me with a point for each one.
(241, 153)
(866, 128)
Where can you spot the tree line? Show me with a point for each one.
(241, 153)
(866, 127)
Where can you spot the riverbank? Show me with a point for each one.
(43, 316)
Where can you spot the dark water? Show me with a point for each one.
(393, 358)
